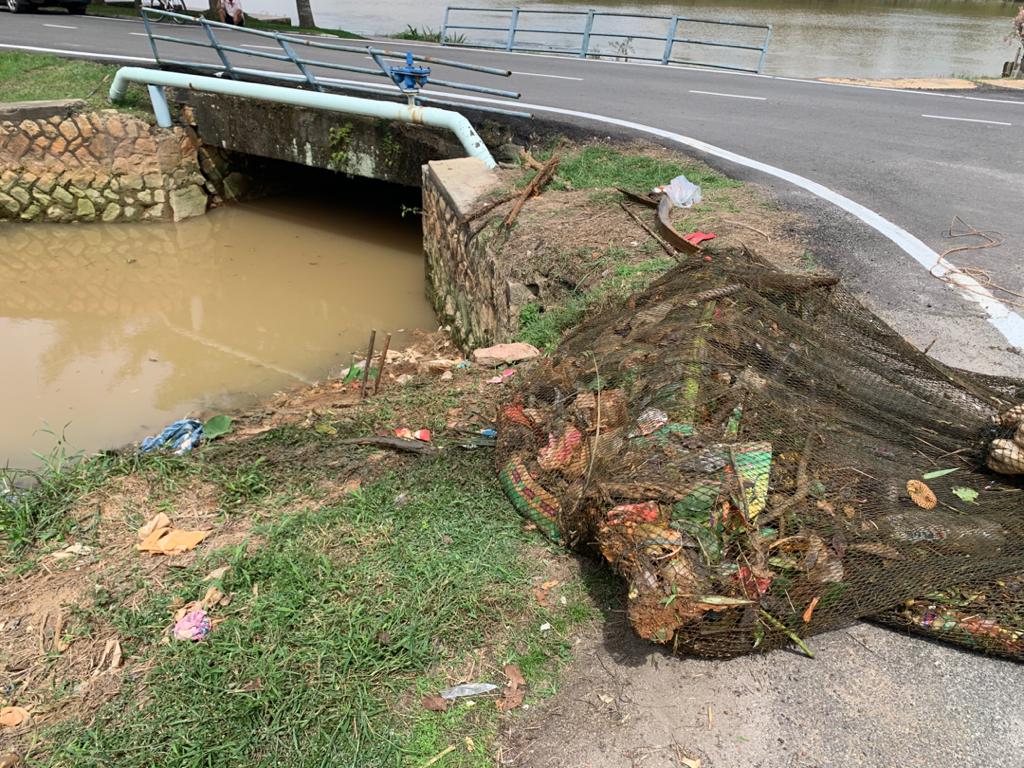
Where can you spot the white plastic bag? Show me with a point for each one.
(681, 191)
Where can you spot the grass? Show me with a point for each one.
(427, 35)
(601, 167)
(36, 77)
(340, 621)
(127, 10)
(543, 327)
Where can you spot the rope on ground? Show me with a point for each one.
(958, 229)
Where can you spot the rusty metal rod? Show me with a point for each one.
(366, 363)
(383, 362)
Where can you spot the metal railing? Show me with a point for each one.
(309, 71)
(580, 36)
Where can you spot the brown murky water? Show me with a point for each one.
(109, 332)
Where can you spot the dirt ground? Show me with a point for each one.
(871, 698)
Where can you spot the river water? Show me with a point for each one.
(812, 38)
(109, 332)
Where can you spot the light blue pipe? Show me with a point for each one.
(386, 110)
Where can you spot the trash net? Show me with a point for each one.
(763, 459)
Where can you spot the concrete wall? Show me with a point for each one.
(59, 165)
(476, 294)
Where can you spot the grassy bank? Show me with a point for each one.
(37, 77)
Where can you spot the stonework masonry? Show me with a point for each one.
(98, 166)
(473, 292)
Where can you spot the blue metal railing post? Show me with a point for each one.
(764, 51)
(216, 46)
(298, 63)
(512, 24)
(588, 25)
(444, 25)
(149, 34)
(670, 40)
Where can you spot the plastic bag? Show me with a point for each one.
(681, 191)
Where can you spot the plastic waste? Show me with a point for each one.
(467, 689)
(180, 437)
(194, 625)
(681, 191)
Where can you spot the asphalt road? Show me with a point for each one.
(914, 158)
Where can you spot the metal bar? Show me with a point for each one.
(669, 40)
(152, 42)
(216, 46)
(588, 25)
(302, 67)
(473, 26)
(550, 31)
(634, 37)
(388, 110)
(512, 29)
(764, 50)
(719, 45)
(444, 26)
(686, 63)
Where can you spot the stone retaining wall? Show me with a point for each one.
(99, 166)
(472, 291)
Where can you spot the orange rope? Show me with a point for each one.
(958, 228)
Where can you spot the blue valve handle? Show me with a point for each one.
(410, 77)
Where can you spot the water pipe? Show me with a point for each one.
(156, 80)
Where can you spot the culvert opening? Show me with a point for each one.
(118, 329)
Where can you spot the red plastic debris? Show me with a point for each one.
(696, 238)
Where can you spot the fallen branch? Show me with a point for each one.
(488, 207)
(660, 240)
(537, 183)
(395, 444)
(765, 235)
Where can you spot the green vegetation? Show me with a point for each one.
(36, 77)
(601, 167)
(340, 137)
(427, 35)
(623, 275)
(341, 619)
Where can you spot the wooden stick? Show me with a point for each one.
(383, 362)
(438, 756)
(661, 241)
(366, 363)
(487, 207)
(537, 183)
(395, 443)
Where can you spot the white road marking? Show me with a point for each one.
(268, 47)
(78, 54)
(731, 95)
(59, 26)
(966, 119)
(553, 77)
(138, 34)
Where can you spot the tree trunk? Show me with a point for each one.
(305, 13)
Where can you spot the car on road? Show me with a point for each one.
(25, 6)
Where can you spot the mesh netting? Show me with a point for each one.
(761, 459)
